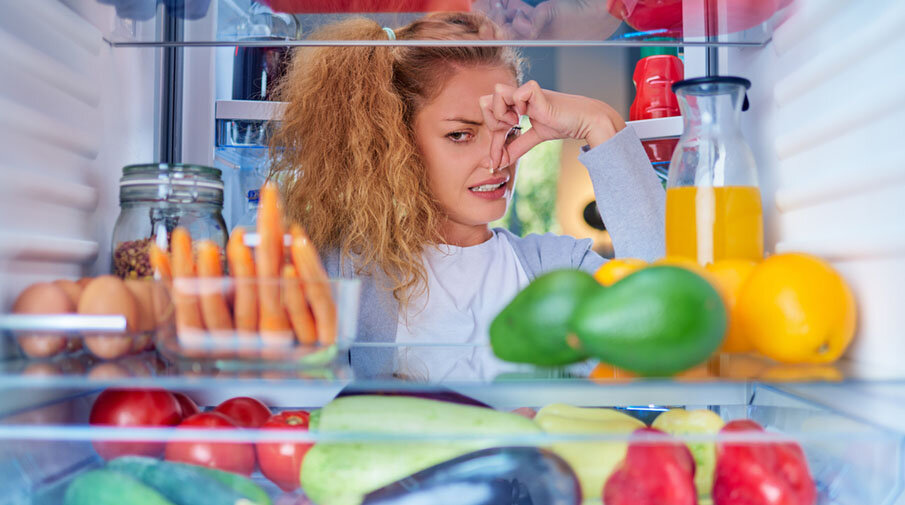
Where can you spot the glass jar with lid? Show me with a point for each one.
(154, 199)
(713, 204)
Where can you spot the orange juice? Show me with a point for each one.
(706, 224)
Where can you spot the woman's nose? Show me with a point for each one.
(486, 163)
(484, 144)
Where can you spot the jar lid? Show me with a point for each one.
(171, 174)
(716, 80)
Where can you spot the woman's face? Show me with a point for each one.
(455, 148)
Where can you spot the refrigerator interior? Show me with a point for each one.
(85, 99)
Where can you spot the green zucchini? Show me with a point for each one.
(106, 487)
(181, 484)
(239, 483)
(341, 473)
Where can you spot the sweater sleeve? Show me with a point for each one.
(629, 196)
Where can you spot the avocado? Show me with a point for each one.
(657, 321)
(534, 327)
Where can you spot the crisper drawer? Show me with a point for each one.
(403, 443)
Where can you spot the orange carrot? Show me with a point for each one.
(316, 285)
(160, 262)
(274, 324)
(242, 268)
(188, 310)
(299, 313)
(213, 303)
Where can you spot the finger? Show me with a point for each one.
(497, 131)
(522, 25)
(498, 155)
(501, 106)
(529, 100)
(522, 144)
(514, 7)
(497, 13)
(543, 15)
(490, 120)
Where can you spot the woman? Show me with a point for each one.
(395, 159)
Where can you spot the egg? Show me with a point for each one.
(108, 295)
(74, 290)
(43, 298)
(108, 370)
(144, 298)
(42, 369)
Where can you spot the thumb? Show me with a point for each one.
(523, 143)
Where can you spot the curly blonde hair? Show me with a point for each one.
(345, 150)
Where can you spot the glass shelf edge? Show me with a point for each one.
(445, 43)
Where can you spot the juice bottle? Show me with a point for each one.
(713, 204)
(706, 224)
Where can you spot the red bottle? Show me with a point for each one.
(654, 98)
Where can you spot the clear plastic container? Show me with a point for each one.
(314, 343)
(713, 204)
(154, 200)
(120, 321)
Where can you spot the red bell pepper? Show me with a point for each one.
(653, 472)
(761, 473)
(281, 462)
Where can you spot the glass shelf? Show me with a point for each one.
(723, 372)
(272, 23)
(852, 460)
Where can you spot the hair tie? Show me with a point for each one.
(390, 33)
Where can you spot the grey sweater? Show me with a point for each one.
(630, 200)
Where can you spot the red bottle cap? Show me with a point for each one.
(653, 79)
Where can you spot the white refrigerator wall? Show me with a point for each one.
(826, 122)
(73, 111)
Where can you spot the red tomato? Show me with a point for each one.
(235, 457)
(246, 412)
(281, 462)
(133, 407)
(189, 407)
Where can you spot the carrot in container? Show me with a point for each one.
(245, 303)
(189, 323)
(316, 284)
(214, 309)
(160, 262)
(299, 314)
(273, 323)
(242, 268)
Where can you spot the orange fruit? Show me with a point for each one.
(802, 373)
(741, 366)
(730, 276)
(615, 269)
(795, 308)
(604, 372)
(688, 264)
(607, 373)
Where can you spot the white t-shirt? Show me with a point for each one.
(446, 335)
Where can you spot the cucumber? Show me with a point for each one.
(341, 473)
(105, 487)
(181, 484)
(239, 483)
